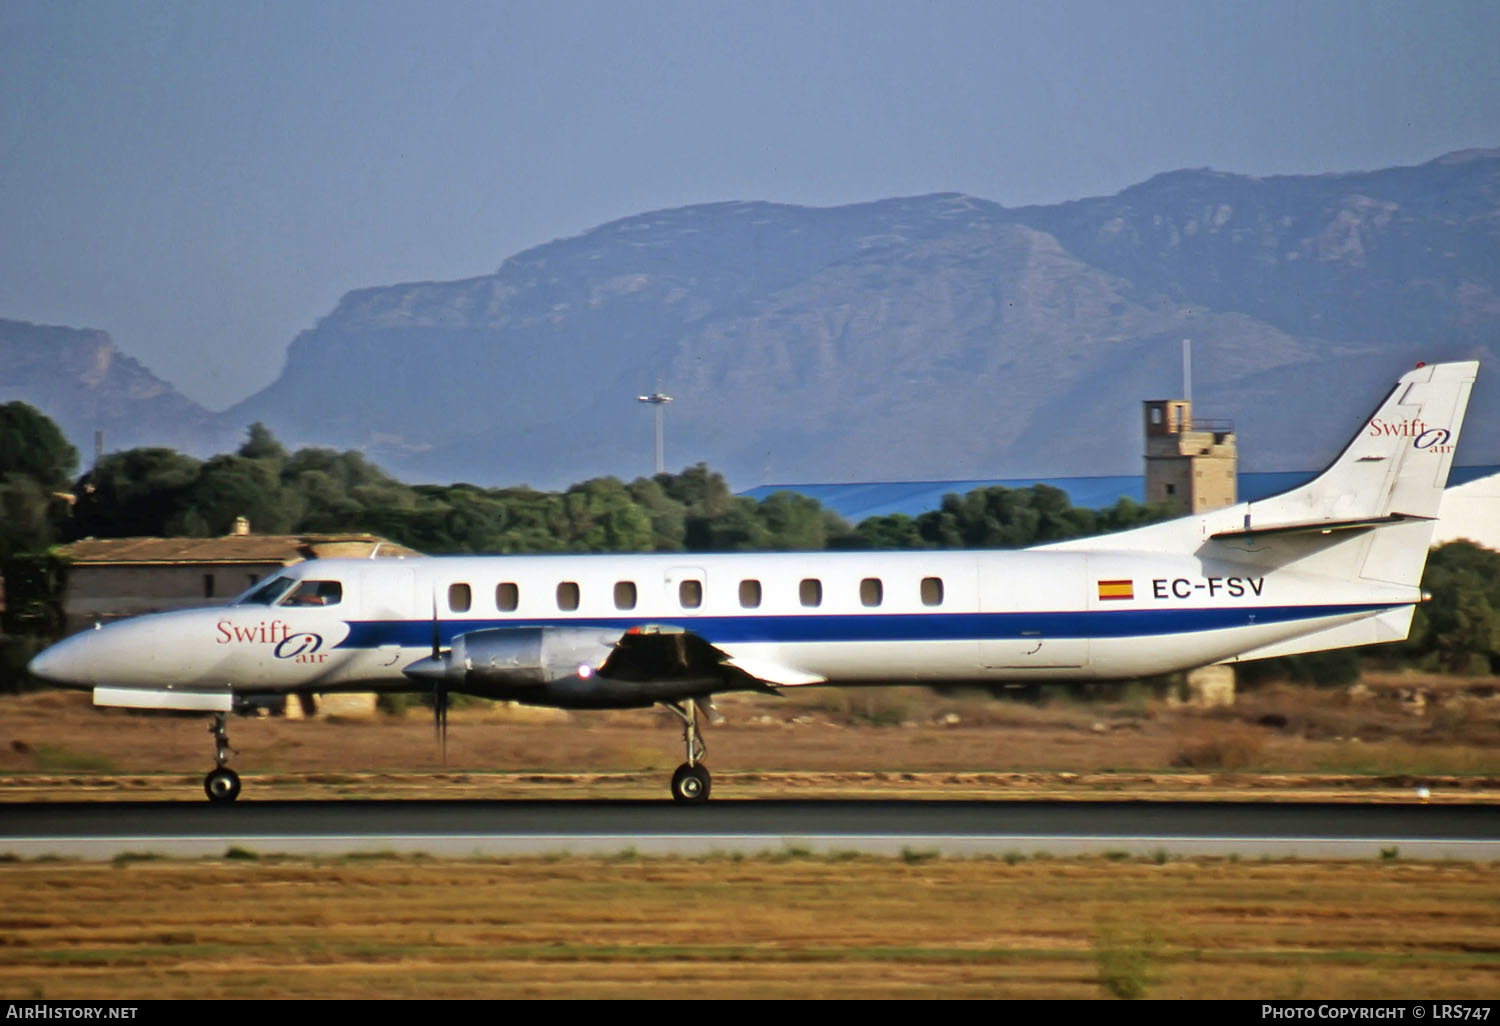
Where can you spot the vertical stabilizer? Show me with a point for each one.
(1396, 465)
(1392, 474)
(1369, 516)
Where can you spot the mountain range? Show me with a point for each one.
(930, 337)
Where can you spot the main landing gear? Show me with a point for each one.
(222, 784)
(691, 781)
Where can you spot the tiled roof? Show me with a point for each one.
(237, 548)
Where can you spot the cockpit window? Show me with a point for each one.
(316, 593)
(268, 593)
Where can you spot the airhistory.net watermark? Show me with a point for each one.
(44, 1010)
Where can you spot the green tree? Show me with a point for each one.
(1458, 631)
(29, 515)
(36, 465)
(602, 517)
(736, 528)
(895, 531)
(797, 523)
(228, 487)
(667, 515)
(32, 446)
(701, 491)
(262, 445)
(133, 493)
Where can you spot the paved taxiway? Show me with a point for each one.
(463, 828)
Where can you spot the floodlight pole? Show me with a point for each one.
(657, 399)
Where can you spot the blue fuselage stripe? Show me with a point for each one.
(1107, 623)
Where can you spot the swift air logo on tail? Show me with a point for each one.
(1430, 439)
(1434, 440)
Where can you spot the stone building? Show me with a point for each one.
(1190, 464)
(110, 578)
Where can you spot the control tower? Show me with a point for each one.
(1190, 464)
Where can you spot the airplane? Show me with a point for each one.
(1336, 562)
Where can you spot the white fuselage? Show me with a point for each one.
(785, 618)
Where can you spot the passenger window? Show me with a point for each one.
(317, 593)
(750, 594)
(460, 598)
(624, 594)
(567, 596)
(810, 591)
(932, 591)
(507, 597)
(871, 591)
(690, 594)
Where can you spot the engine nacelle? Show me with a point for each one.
(559, 666)
(529, 656)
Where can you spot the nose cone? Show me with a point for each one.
(67, 662)
(432, 668)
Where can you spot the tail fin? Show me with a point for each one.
(1369, 515)
(1395, 467)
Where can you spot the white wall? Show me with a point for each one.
(1471, 511)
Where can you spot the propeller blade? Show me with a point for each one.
(439, 687)
(440, 717)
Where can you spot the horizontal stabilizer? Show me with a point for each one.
(1318, 526)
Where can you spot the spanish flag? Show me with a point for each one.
(1116, 590)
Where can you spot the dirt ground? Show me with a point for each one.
(1383, 740)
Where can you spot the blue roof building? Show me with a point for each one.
(857, 501)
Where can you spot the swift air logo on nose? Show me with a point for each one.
(285, 643)
(1428, 439)
(301, 647)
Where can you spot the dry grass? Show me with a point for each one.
(780, 926)
(775, 926)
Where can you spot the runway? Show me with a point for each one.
(969, 828)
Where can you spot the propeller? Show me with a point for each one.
(439, 687)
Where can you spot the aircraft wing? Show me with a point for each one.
(656, 652)
(774, 673)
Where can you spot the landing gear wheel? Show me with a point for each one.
(222, 785)
(690, 783)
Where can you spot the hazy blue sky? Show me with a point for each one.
(203, 179)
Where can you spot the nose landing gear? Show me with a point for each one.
(222, 784)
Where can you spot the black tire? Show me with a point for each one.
(690, 784)
(222, 786)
